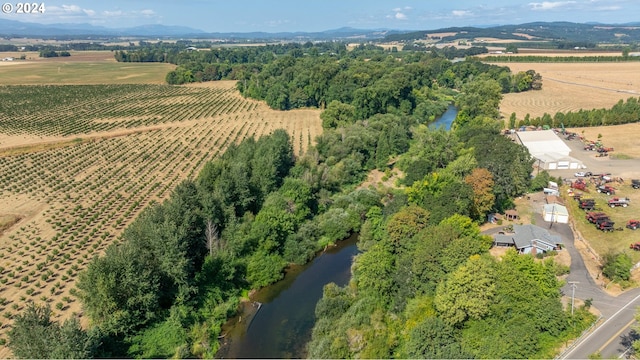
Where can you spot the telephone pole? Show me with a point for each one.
(574, 284)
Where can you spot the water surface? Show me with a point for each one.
(285, 315)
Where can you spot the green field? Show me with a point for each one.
(616, 241)
(82, 72)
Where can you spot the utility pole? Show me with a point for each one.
(574, 284)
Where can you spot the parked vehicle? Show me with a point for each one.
(635, 183)
(587, 204)
(583, 174)
(633, 224)
(624, 202)
(592, 216)
(606, 226)
(580, 185)
(609, 190)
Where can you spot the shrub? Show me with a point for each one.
(617, 267)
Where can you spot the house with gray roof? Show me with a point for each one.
(529, 239)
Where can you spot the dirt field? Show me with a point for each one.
(62, 205)
(573, 86)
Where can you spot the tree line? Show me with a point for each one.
(623, 112)
(559, 59)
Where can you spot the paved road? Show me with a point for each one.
(613, 335)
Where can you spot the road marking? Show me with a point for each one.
(616, 335)
(599, 327)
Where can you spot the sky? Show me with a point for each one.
(320, 15)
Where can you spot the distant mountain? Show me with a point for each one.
(593, 33)
(11, 28)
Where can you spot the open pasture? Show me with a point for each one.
(118, 153)
(83, 69)
(573, 86)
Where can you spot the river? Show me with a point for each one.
(285, 315)
(445, 119)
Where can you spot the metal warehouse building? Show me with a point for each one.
(548, 149)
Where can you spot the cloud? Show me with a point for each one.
(461, 13)
(550, 5)
(68, 10)
(400, 13)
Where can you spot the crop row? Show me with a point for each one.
(94, 189)
(70, 110)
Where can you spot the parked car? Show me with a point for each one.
(583, 174)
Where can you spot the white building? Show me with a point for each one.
(555, 213)
(548, 149)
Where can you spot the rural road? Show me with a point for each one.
(613, 335)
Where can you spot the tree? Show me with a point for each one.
(406, 223)
(121, 290)
(372, 270)
(433, 339)
(212, 239)
(467, 292)
(479, 99)
(617, 267)
(481, 181)
(337, 114)
(34, 336)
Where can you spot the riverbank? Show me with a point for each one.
(276, 321)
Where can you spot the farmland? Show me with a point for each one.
(81, 68)
(79, 163)
(573, 86)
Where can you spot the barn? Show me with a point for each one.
(550, 152)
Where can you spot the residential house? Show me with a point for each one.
(529, 239)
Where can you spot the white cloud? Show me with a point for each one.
(66, 10)
(148, 12)
(461, 13)
(400, 16)
(550, 5)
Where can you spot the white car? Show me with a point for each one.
(582, 174)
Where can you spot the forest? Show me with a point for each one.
(424, 277)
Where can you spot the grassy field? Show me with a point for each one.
(573, 86)
(75, 173)
(615, 241)
(82, 67)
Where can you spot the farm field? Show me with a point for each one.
(83, 161)
(573, 86)
(82, 68)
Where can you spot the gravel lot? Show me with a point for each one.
(626, 169)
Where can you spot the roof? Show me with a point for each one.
(555, 209)
(553, 199)
(524, 235)
(543, 142)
